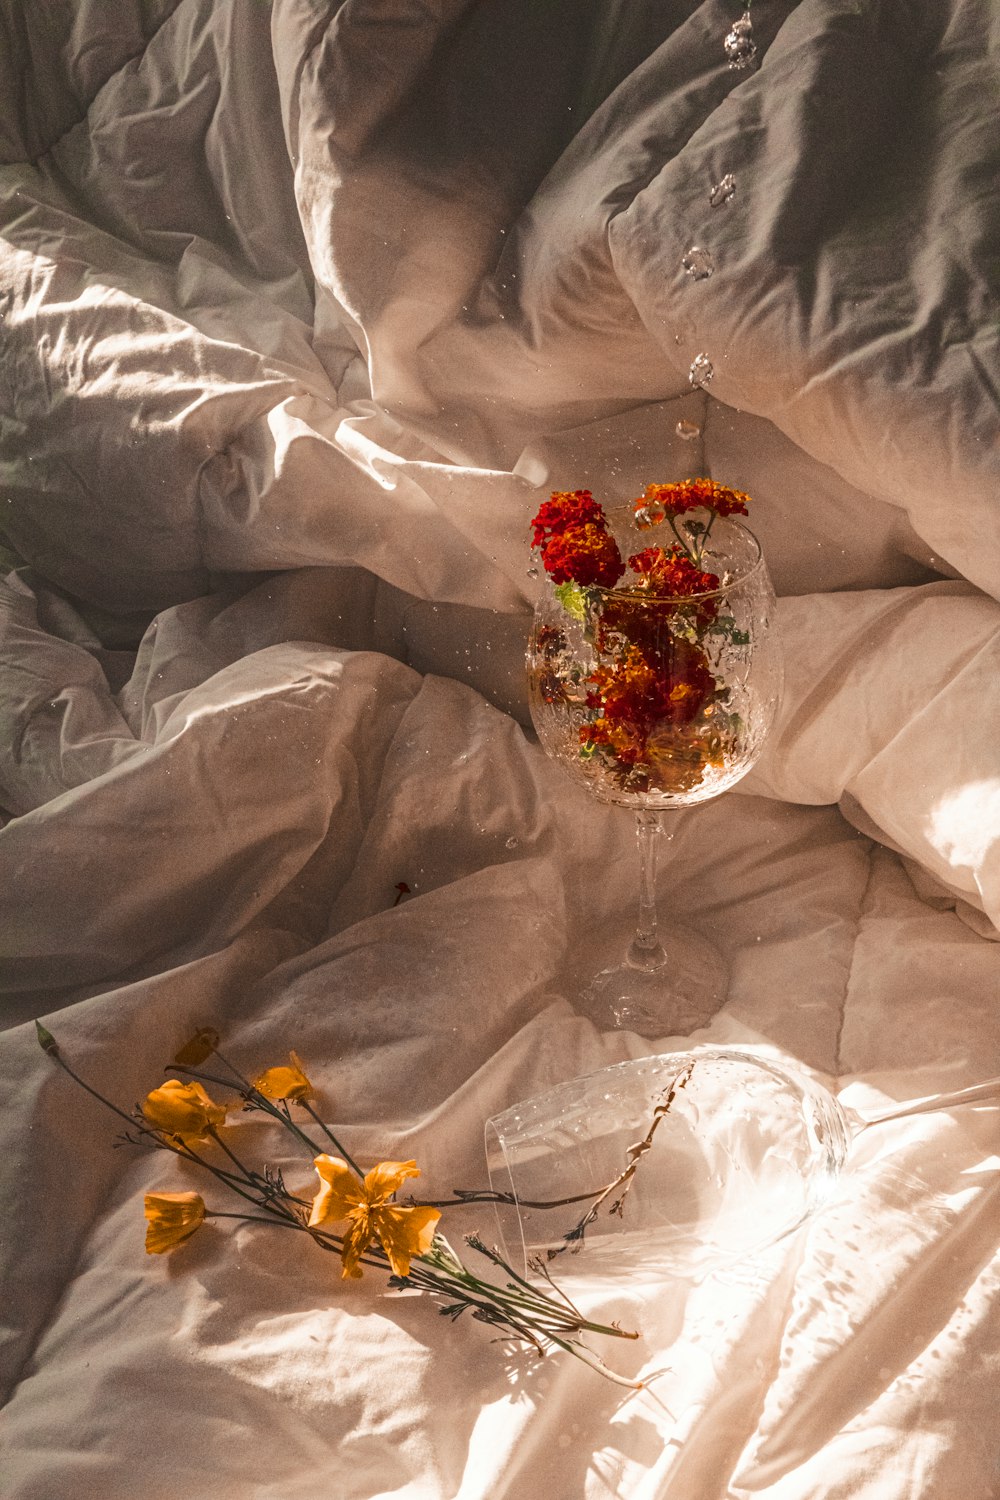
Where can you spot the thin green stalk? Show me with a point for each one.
(332, 1138)
(524, 1296)
(229, 1180)
(324, 1240)
(295, 1130)
(48, 1044)
(684, 546)
(259, 1183)
(244, 1082)
(463, 1196)
(259, 1101)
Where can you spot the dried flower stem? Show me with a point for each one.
(635, 1153)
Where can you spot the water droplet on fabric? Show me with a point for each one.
(701, 371)
(698, 263)
(646, 516)
(511, 843)
(532, 572)
(723, 191)
(687, 431)
(740, 47)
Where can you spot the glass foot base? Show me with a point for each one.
(674, 999)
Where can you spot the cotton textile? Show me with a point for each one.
(304, 309)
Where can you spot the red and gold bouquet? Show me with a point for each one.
(633, 659)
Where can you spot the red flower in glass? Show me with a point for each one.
(585, 555)
(672, 574)
(694, 494)
(566, 508)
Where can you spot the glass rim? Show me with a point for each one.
(674, 599)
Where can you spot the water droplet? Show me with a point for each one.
(511, 843)
(688, 431)
(723, 191)
(701, 371)
(532, 572)
(649, 515)
(740, 47)
(698, 263)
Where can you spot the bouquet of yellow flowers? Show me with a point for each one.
(351, 1212)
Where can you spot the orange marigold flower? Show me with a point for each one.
(689, 680)
(640, 691)
(571, 532)
(566, 508)
(183, 1110)
(370, 1213)
(625, 739)
(583, 554)
(285, 1083)
(694, 494)
(171, 1218)
(678, 762)
(672, 575)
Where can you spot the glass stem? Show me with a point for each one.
(646, 952)
(989, 1089)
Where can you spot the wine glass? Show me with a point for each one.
(676, 1165)
(679, 1164)
(658, 693)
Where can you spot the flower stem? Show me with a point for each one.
(703, 541)
(684, 545)
(463, 1196)
(130, 1120)
(332, 1138)
(256, 1098)
(244, 1185)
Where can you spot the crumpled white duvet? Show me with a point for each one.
(303, 314)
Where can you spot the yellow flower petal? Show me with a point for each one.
(402, 1232)
(387, 1178)
(171, 1219)
(340, 1192)
(183, 1109)
(200, 1046)
(357, 1238)
(405, 1232)
(285, 1083)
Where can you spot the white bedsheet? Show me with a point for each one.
(303, 313)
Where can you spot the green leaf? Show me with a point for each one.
(572, 599)
(727, 627)
(46, 1040)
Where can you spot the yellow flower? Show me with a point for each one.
(366, 1206)
(183, 1109)
(200, 1046)
(285, 1083)
(171, 1218)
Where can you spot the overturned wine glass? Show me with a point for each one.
(674, 1165)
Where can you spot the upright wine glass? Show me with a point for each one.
(656, 693)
